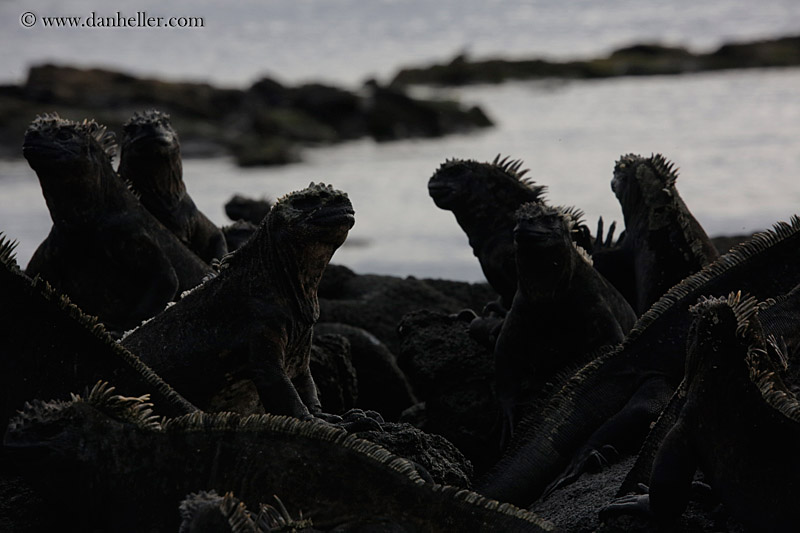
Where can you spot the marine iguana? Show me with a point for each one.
(51, 347)
(611, 401)
(150, 160)
(484, 197)
(134, 468)
(562, 311)
(738, 423)
(663, 242)
(779, 317)
(104, 250)
(255, 319)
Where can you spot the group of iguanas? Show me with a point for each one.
(593, 340)
(673, 278)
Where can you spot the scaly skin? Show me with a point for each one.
(208, 511)
(51, 347)
(134, 470)
(484, 197)
(613, 399)
(563, 309)
(738, 423)
(779, 318)
(111, 256)
(150, 160)
(663, 242)
(254, 320)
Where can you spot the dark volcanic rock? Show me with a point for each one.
(238, 233)
(266, 124)
(454, 376)
(392, 114)
(334, 282)
(93, 88)
(576, 507)
(339, 110)
(382, 386)
(20, 504)
(781, 52)
(637, 60)
(250, 209)
(445, 464)
(376, 303)
(473, 295)
(333, 373)
(256, 150)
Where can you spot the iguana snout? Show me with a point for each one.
(445, 187)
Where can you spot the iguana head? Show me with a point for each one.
(55, 142)
(466, 185)
(151, 129)
(71, 160)
(150, 156)
(544, 241)
(722, 332)
(201, 509)
(39, 427)
(726, 338)
(543, 225)
(294, 244)
(645, 185)
(57, 427)
(317, 214)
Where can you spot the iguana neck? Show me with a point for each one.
(302, 267)
(544, 273)
(159, 181)
(91, 198)
(276, 260)
(482, 229)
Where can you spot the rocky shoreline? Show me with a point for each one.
(267, 123)
(398, 430)
(645, 59)
(430, 351)
(404, 374)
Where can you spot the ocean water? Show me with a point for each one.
(734, 134)
(346, 41)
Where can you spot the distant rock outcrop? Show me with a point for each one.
(267, 123)
(636, 60)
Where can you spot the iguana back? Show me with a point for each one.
(137, 469)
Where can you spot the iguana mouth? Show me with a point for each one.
(615, 182)
(334, 216)
(46, 150)
(440, 192)
(162, 141)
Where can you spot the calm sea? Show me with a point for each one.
(733, 134)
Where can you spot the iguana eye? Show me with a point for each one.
(64, 135)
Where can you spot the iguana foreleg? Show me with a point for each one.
(629, 426)
(307, 390)
(275, 389)
(670, 482)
